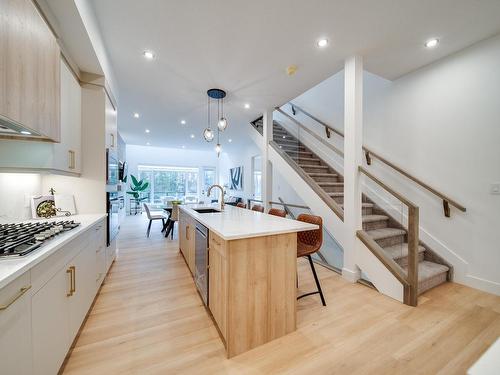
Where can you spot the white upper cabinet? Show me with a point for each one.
(67, 154)
(111, 126)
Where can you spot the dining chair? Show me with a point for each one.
(309, 242)
(277, 212)
(241, 205)
(153, 218)
(174, 216)
(258, 208)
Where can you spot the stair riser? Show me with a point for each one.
(403, 262)
(391, 241)
(375, 225)
(367, 210)
(300, 154)
(314, 169)
(431, 283)
(333, 189)
(292, 148)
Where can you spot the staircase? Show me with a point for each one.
(390, 235)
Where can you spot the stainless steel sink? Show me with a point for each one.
(206, 210)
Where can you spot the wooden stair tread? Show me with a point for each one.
(400, 251)
(330, 183)
(372, 218)
(378, 234)
(427, 270)
(319, 174)
(314, 166)
(338, 194)
(365, 205)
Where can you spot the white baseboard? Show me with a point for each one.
(350, 275)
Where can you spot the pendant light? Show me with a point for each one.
(222, 123)
(208, 133)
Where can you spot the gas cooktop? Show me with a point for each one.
(22, 238)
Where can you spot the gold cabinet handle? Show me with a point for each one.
(74, 278)
(19, 294)
(112, 140)
(187, 232)
(71, 271)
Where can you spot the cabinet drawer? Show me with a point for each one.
(13, 290)
(42, 272)
(217, 243)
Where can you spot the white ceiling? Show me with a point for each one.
(244, 48)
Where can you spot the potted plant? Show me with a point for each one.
(137, 187)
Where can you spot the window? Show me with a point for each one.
(208, 178)
(168, 183)
(257, 177)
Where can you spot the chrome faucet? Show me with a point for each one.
(222, 195)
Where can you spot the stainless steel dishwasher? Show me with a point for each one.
(201, 261)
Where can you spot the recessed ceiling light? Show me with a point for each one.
(147, 143)
(322, 43)
(247, 105)
(183, 146)
(25, 132)
(192, 135)
(229, 140)
(148, 55)
(147, 130)
(431, 43)
(136, 115)
(183, 122)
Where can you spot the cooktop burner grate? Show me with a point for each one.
(22, 238)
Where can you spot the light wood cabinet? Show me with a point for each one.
(217, 284)
(15, 327)
(29, 69)
(111, 126)
(187, 233)
(64, 157)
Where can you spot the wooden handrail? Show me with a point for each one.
(327, 144)
(393, 192)
(330, 202)
(327, 127)
(447, 201)
(289, 205)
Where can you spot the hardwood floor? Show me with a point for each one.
(149, 319)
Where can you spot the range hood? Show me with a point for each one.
(9, 127)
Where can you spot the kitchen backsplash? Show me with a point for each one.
(16, 190)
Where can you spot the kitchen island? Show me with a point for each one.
(245, 267)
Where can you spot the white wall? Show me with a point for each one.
(241, 157)
(16, 190)
(441, 123)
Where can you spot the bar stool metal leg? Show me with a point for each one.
(317, 280)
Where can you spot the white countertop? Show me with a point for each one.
(12, 267)
(234, 223)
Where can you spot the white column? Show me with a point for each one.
(353, 143)
(267, 168)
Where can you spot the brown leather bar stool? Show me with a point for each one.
(309, 242)
(277, 212)
(241, 205)
(258, 208)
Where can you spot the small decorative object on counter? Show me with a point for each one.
(47, 206)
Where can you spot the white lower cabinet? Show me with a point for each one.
(15, 327)
(59, 306)
(50, 323)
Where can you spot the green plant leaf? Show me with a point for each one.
(144, 187)
(134, 180)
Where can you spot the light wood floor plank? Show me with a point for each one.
(149, 319)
